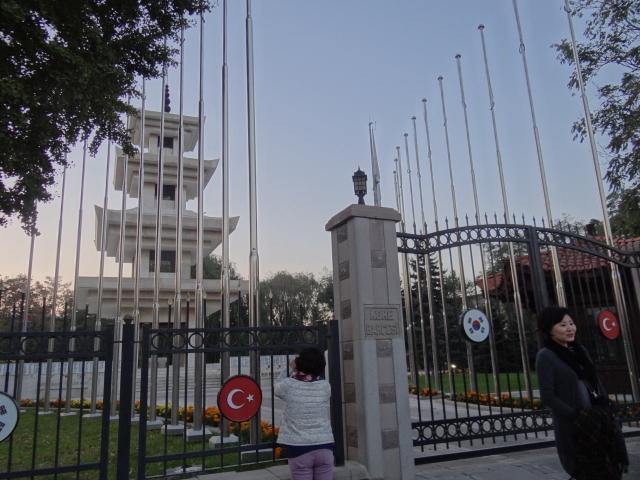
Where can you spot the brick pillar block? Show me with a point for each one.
(366, 285)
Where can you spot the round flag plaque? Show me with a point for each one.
(239, 398)
(9, 415)
(608, 324)
(474, 325)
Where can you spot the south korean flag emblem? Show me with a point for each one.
(474, 325)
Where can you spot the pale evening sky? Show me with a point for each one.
(323, 70)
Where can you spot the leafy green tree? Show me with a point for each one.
(612, 44)
(67, 68)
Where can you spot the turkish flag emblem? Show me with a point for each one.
(609, 324)
(239, 398)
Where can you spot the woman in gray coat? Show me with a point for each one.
(567, 379)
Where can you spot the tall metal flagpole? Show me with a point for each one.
(254, 259)
(615, 270)
(434, 338)
(557, 273)
(121, 240)
(377, 198)
(74, 313)
(98, 323)
(225, 174)
(25, 314)
(152, 423)
(427, 273)
(199, 368)
(463, 288)
(408, 304)
(514, 274)
(425, 358)
(487, 298)
(52, 321)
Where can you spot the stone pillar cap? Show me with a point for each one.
(364, 211)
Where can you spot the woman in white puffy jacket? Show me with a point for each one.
(306, 427)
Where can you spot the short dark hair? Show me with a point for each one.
(311, 360)
(549, 317)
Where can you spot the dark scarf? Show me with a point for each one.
(576, 357)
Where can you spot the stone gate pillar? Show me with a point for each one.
(366, 285)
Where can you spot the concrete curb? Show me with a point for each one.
(350, 471)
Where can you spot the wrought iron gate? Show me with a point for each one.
(33, 450)
(471, 395)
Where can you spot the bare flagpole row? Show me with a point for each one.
(445, 327)
(425, 358)
(74, 312)
(615, 269)
(408, 304)
(487, 298)
(54, 300)
(463, 289)
(98, 322)
(429, 285)
(514, 275)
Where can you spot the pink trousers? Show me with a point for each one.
(315, 465)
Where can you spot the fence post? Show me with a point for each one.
(336, 391)
(368, 307)
(126, 399)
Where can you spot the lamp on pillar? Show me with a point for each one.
(360, 185)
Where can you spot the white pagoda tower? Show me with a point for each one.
(88, 286)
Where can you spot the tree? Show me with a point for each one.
(212, 268)
(67, 68)
(612, 44)
(13, 286)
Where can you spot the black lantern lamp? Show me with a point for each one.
(360, 185)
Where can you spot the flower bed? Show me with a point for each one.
(504, 400)
(211, 417)
(423, 392)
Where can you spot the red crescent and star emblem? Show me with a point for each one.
(239, 398)
(608, 323)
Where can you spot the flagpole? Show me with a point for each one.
(487, 298)
(225, 175)
(445, 320)
(74, 312)
(514, 274)
(254, 259)
(557, 273)
(418, 273)
(121, 240)
(25, 313)
(98, 322)
(52, 322)
(615, 269)
(377, 198)
(463, 289)
(152, 423)
(408, 304)
(427, 273)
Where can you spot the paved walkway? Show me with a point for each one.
(528, 465)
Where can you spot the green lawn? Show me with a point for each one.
(23, 448)
(485, 382)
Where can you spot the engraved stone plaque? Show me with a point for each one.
(378, 259)
(382, 321)
(343, 272)
(342, 233)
